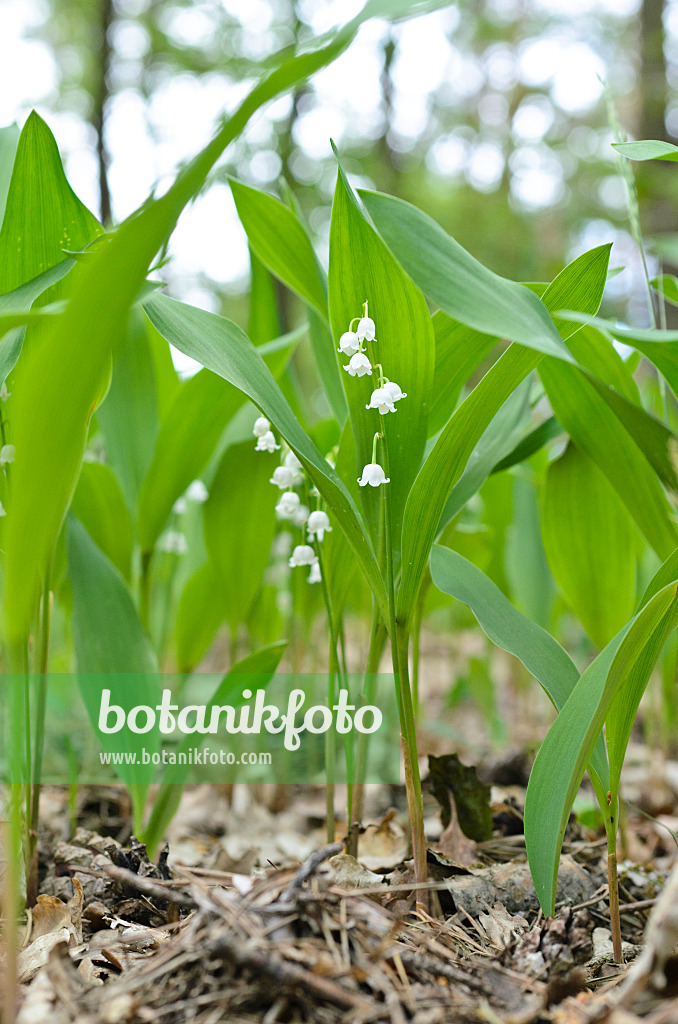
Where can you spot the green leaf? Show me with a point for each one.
(590, 544)
(222, 347)
(108, 638)
(459, 351)
(593, 425)
(100, 506)
(9, 140)
(458, 283)
(649, 149)
(128, 416)
(498, 440)
(203, 407)
(262, 665)
(325, 354)
(239, 518)
(43, 215)
(264, 322)
(73, 356)
(446, 461)
(561, 761)
(531, 443)
(198, 618)
(504, 625)
(279, 240)
(667, 285)
(363, 270)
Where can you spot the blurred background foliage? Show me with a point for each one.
(490, 115)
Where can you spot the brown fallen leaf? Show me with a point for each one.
(383, 846)
(50, 913)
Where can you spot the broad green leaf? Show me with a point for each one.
(595, 428)
(239, 518)
(166, 377)
(325, 354)
(648, 149)
(459, 351)
(264, 323)
(9, 140)
(667, 285)
(499, 439)
(189, 433)
(531, 584)
(590, 543)
(198, 618)
(223, 348)
(504, 625)
(73, 356)
(100, 506)
(43, 215)
(262, 665)
(363, 270)
(128, 416)
(109, 638)
(581, 282)
(561, 761)
(660, 347)
(458, 283)
(279, 240)
(107, 632)
(531, 443)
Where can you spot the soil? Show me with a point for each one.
(249, 915)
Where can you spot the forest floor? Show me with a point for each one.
(249, 915)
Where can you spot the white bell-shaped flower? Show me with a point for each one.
(301, 515)
(282, 477)
(288, 504)
(303, 554)
(366, 329)
(290, 461)
(373, 475)
(4, 393)
(318, 524)
(196, 491)
(266, 443)
(173, 543)
(382, 401)
(393, 390)
(179, 506)
(2, 510)
(315, 575)
(261, 427)
(7, 453)
(349, 343)
(359, 365)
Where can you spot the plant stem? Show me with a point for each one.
(612, 880)
(377, 640)
(400, 639)
(330, 737)
(39, 739)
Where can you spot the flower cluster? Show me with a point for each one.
(384, 397)
(288, 475)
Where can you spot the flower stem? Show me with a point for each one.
(610, 820)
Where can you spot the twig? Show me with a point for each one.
(308, 868)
